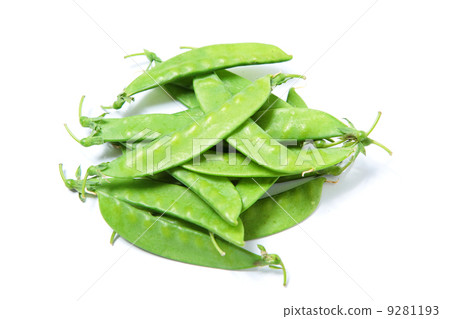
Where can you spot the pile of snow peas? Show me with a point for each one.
(237, 164)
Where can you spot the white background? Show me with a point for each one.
(380, 236)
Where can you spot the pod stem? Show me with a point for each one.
(282, 267)
(213, 239)
(71, 134)
(381, 145)
(80, 107)
(61, 172)
(134, 54)
(106, 108)
(151, 56)
(334, 143)
(272, 260)
(83, 187)
(374, 124)
(187, 48)
(349, 122)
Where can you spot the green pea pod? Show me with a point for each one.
(230, 165)
(300, 124)
(235, 83)
(185, 96)
(272, 215)
(279, 127)
(211, 92)
(218, 192)
(251, 189)
(190, 142)
(176, 239)
(174, 200)
(136, 128)
(295, 100)
(307, 160)
(200, 61)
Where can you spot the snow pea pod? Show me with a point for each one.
(211, 93)
(152, 125)
(234, 83)
(183, 145)
(237, 165)
(122, 130)
(183, 95)
(202, 60)
(300, 124)
(230, 165)
(295, 100)
(136, 128)
(251, 189)
(272, 215)
(174, 200)
(218, 192)
(175, 239)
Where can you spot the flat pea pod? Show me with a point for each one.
(300, 124)
(251, 189)
(308, 160)
(150, 126)
(174, 200)
(272, 215)
(207, 132)
(234, 83)
(136, 128)
(183, 95)
(218, 192)
(202, 60)
(175, 239)
(211, 92)
(230, 165)
(295, 100)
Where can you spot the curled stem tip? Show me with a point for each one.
(284, 273)
(276, 74)
(113, 237)
(106, 108)
(382, 146)
(83, 187)
(134, 54)
(71, 134)
(349, 122)
(61, 172)
(273, 261)
(333, 143)
(78, 173)
(300, 76)
(213, 240)
(374, 124)
(307, 172)
(80, 106)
